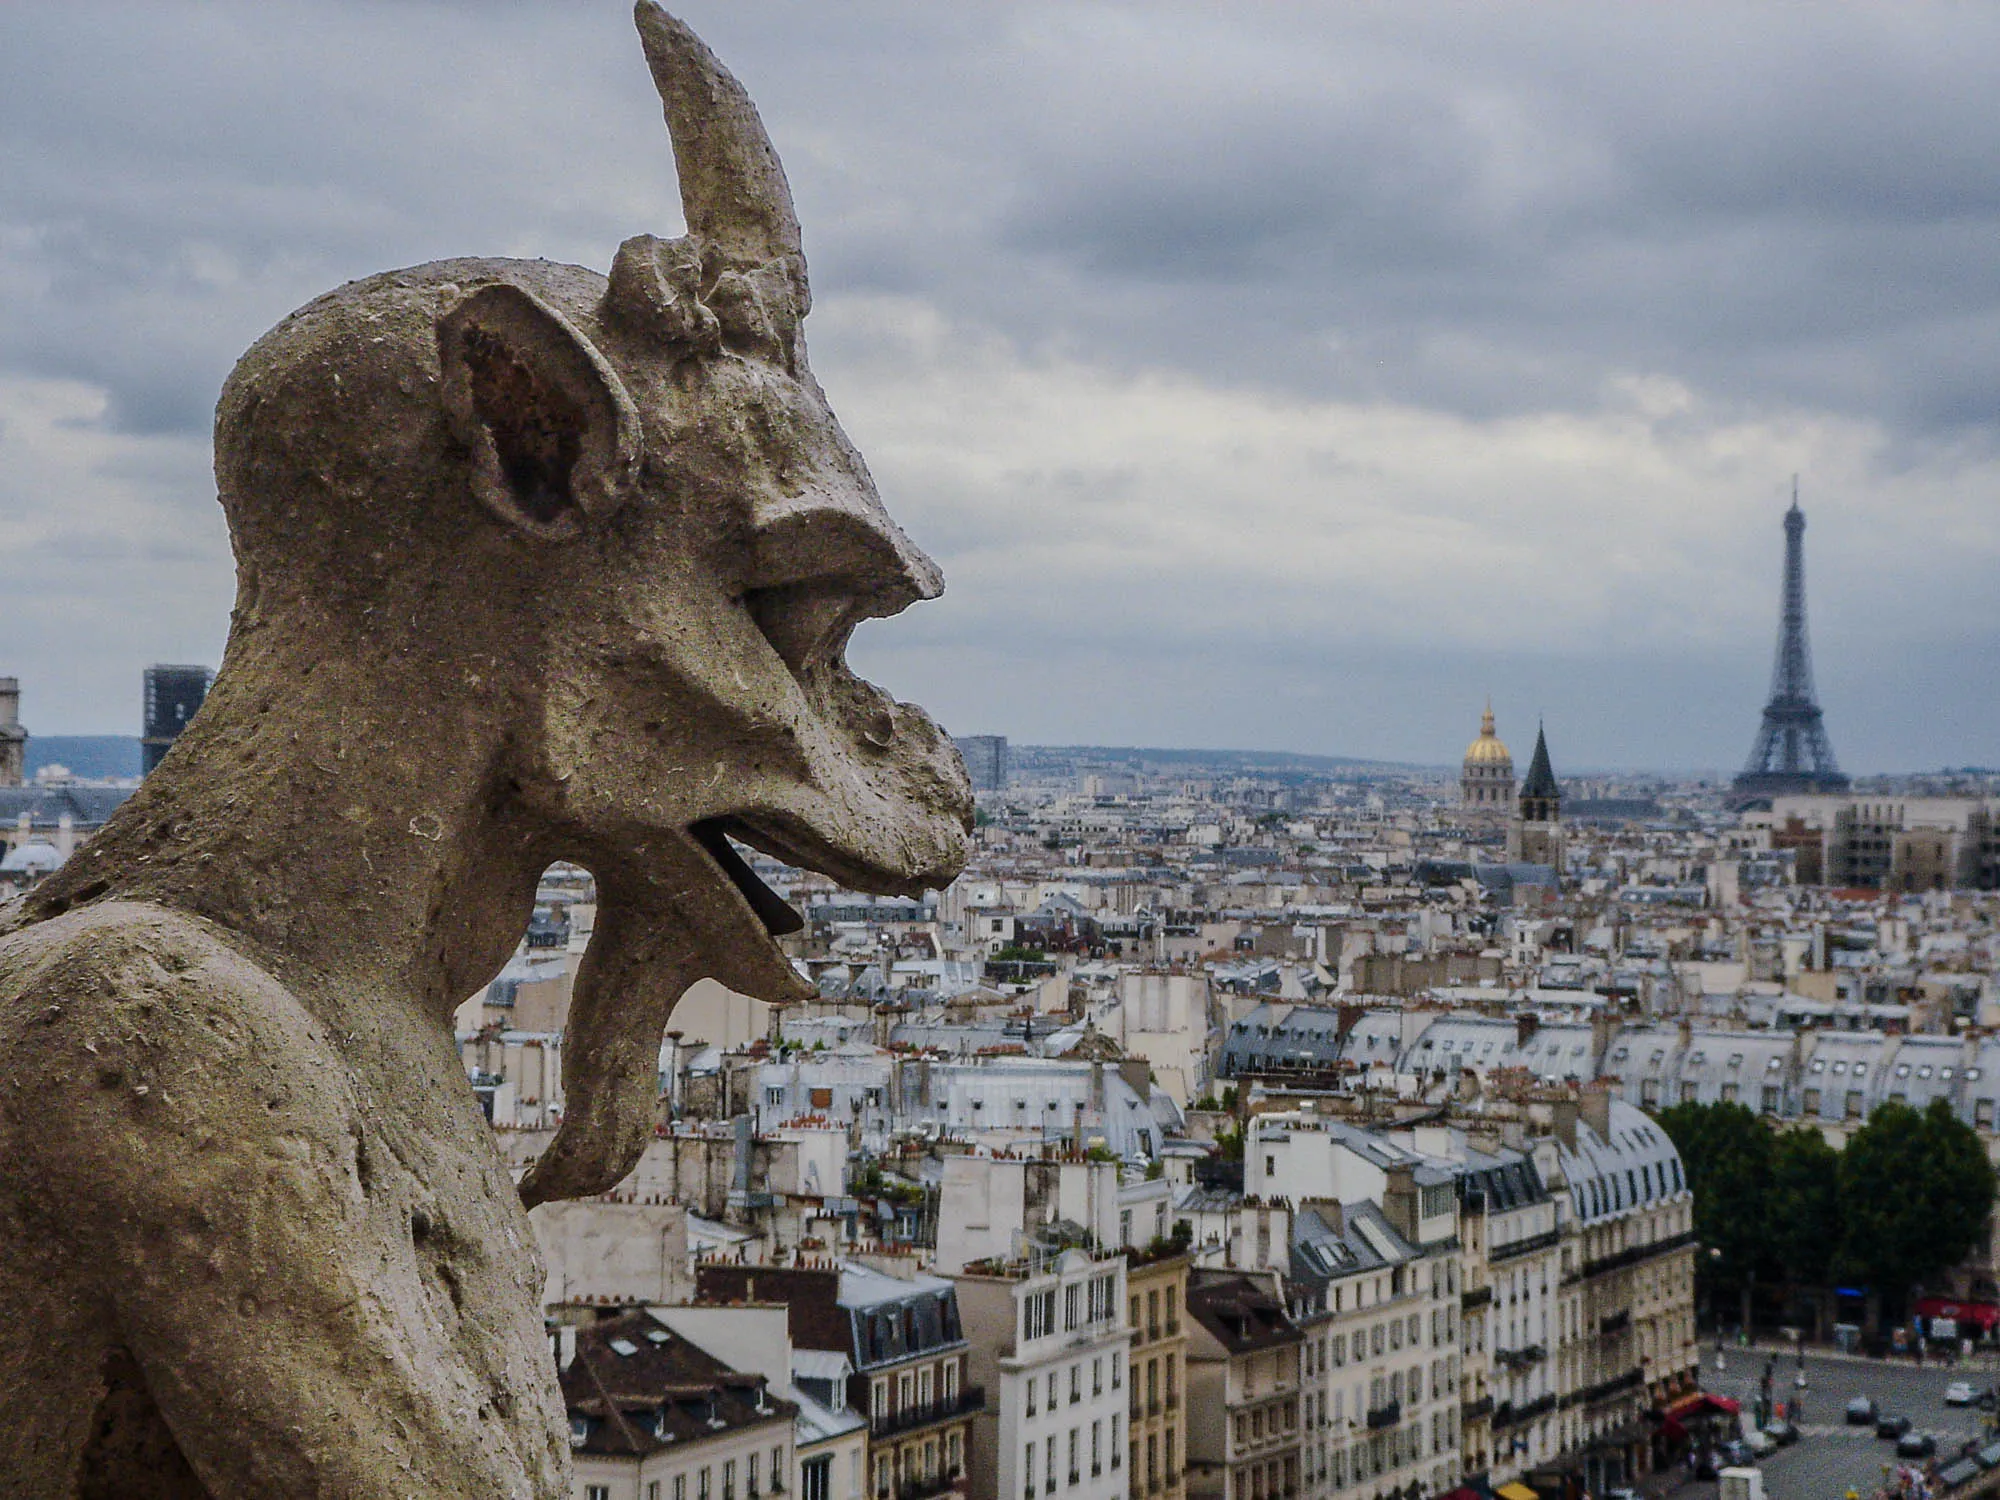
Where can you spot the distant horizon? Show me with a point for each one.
(38, 758)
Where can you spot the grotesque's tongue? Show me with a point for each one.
(772, 910)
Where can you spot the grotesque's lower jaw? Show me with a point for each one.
(777, 915)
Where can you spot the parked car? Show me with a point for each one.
(1860, 1411)
(1916, 1445)
(1959, 1393)
(1760, 1443)
(1781, 1432)
(1891, 1427)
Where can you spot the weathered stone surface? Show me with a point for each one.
(532, 565)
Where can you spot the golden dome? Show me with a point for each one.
(1488, 749)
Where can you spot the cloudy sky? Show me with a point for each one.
(1275, 376)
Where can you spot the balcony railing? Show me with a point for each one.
(1617, 1322)
(1386, 1415)
(1637, 1253)
(941, 1483)
(1528, 1246)
(888, 1424)
(1473, 1410)
(1506, 1414)
(1616, 1386)
(1477, 1296)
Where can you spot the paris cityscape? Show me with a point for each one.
(507, 1011)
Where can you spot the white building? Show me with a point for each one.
(1049, 1342)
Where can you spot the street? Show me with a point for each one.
(1830, 1457)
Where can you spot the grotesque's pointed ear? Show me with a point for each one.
(553, 435)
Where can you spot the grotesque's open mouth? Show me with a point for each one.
(772, 910)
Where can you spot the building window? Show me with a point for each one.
(816, 1478)
(597, 1492)
(680, 1487)
(1028, 1470)
(1038, 1314)
(729, 1480)
(701, 1484)
(750, 1475)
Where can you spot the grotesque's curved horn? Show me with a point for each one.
(733, 187)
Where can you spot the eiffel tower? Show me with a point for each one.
(1792, 754)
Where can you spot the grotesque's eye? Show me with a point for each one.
(807, 624)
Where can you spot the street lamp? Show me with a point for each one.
(1715, 1259)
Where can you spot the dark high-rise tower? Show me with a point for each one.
(1792, 753)
(172, 696)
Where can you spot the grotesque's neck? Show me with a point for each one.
(349, 818)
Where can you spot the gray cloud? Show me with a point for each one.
(1371, 313)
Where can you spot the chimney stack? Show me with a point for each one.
(13, 738)
(1399, 1200)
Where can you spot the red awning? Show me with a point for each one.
(1982, 1315)
(1699, 1403)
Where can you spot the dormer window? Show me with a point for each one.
(1774, 1064)
(1924, 1071)
(1840, 1067)
(1819, 1065)
(1902, 1070)
(1736, 1059)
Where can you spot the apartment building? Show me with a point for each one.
(908, 1353)
(652, 1416)
(1243, 1387)
(1380, 1367)
(1628, 1267)
(1513, 1373)
(1156, 1292)
(1049, 1339)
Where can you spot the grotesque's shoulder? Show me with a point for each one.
(124, 1024)
(113, 951)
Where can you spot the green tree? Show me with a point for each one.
(1727, 1152)
(1914, 1193)
(1802, 1210)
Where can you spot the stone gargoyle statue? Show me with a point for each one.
(533, 565)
